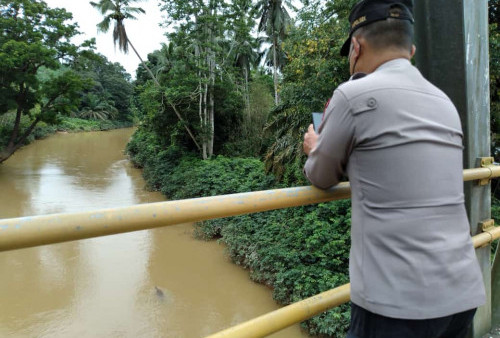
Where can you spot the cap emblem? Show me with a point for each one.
(358, 21)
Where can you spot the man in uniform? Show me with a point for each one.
(398, 138)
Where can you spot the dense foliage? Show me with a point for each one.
(109, 96)
(35, 36)
(313, 70)
(495, 214)
(44, 76)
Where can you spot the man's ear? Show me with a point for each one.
(356, 46)
(413, 50)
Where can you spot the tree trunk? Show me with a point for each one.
(170, 103)
(212, 75)
(211, 105)
(13, 145)
(143, 63)
(200, 110)
(15, 130)
(205, 119)
(6, 153)
(275, 70)
(247, 93)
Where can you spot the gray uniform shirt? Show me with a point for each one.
(399, 140)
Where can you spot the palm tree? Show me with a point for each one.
(243, 54)
(97, 108)
(118, 11)
(243, 47)
(274, 20)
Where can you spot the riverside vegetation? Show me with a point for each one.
(46, 81)
(66, 124)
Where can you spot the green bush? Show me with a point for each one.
(194, 178)
(42, 130)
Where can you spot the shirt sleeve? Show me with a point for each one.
(327, 162)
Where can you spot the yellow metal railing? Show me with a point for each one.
(16, 233)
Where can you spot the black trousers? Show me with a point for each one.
(365, 324)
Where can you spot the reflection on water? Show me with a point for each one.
(105, 287)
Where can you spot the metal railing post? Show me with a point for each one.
(452, 53)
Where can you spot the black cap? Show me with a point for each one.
(368, 11)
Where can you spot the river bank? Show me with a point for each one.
(67, 124)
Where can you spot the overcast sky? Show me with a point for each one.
(145, 33)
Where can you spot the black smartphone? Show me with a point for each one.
(317, 118)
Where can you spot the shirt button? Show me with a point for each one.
(371, 103)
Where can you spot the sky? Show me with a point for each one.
(145, 33)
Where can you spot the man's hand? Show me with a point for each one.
(310, 140)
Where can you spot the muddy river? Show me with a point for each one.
(154, 283)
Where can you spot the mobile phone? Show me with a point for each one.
(317, 119)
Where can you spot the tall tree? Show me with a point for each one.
(274, 20)
(243, 47)
(202, 23)
(313, 70)
(117, 11)
(35, 37)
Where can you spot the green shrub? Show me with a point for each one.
(73, 124)
(43, 130)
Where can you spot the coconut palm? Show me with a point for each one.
(117, 11)
(274, 20)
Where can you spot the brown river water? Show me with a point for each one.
(105, 287)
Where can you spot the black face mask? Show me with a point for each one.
(356, 76)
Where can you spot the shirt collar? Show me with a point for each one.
(394, 63)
